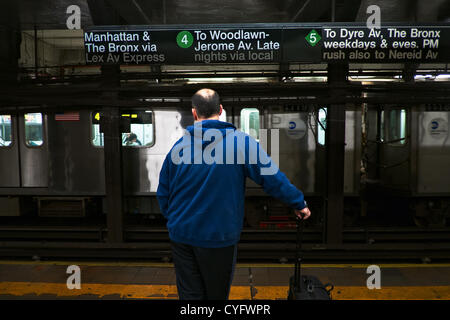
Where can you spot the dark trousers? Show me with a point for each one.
(203, 273)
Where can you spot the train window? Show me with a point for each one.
(250, 122)
(321, 125)
(33, 129)
(395, 126)
(5, 131)
(141, 129)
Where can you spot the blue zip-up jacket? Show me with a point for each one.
(204, 202)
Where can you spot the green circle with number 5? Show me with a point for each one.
(185, 39)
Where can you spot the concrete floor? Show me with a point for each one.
(126, 280)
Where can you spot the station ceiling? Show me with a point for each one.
(51, 14)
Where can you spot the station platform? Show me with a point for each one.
(146, 280)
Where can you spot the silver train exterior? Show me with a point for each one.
(67, 165)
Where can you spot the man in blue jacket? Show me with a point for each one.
(201, 193)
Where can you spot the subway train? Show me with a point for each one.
(396, 163)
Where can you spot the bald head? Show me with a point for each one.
(206, 103)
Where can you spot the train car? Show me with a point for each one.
(53, 164)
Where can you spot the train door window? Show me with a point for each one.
(250, 122)
(141, 129)
(395, 126)
(5, 131)
(321, 125)
(34, 129)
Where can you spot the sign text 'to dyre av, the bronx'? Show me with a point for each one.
(265, 43)
(425, 44)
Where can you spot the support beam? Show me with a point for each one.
(103, 13)
(113, 173)
(335, 145)
(409, 71)
(113, 157)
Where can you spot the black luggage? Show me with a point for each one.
(304, 287)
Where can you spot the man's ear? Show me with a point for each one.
(194, 113)
(221, 110)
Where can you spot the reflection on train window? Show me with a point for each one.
(5, 131)
(33, 129)
(395, 126)
(250, 122)
(141, 129)
(223, 116)
(321, 125)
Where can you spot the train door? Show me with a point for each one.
(387, 161)
(9, 152)
(394, 148)
(136, 146)
(386, 151)
(153, 132)
(33, 147)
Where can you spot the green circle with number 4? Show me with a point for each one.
(185, 39)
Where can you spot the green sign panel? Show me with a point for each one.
(265, 43)
(185, 39)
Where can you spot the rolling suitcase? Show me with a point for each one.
(304, 287)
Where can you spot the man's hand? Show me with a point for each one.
(303, 214)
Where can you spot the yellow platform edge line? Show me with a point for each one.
(239, 265)
(237, 292)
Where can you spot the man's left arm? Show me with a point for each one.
(275, 182)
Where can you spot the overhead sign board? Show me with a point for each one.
(265, 43)
(387, 44)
